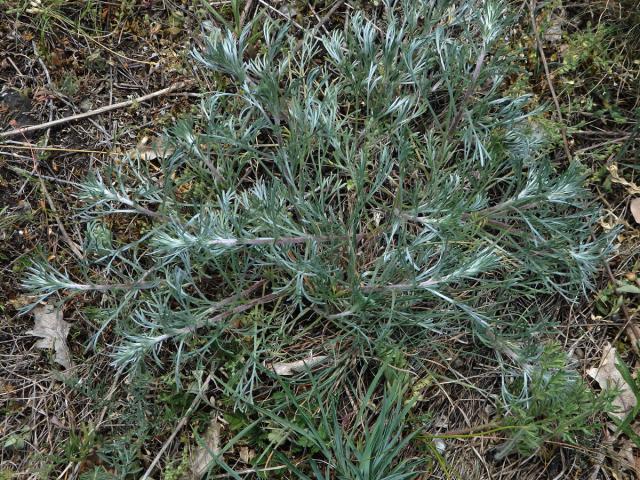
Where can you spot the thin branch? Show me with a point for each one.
(245, 12)
(139, 208)
(244, 307)
(234, 311)
(489, 427)
(91, 113)
(75, 248)
(629, 328)
(183, 421)
(400, 287)
(252, 242)
(470, 89)
(121, 286)
(250, 470)
(464, 216)
(315, 29)
(107, 287)
(283, 15)
(543, 57)
(322, 21)
(243, 294)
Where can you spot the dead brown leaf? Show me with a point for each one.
(632, 188)
(53, 331)
(553, 32)
(151, 149)
(608, 377)
(21, 301)
(204, 454)
(246, 454)
(634, 206)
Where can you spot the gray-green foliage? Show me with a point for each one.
(371, 186)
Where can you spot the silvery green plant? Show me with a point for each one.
(372, 185)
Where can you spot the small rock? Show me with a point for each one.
(85, 105)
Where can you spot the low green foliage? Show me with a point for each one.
(48, 16)
(371, 447)
(560, 406)
(595, 54)
(634, 386)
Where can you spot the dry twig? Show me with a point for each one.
(91, 113)
(543, 57)
(183, 421)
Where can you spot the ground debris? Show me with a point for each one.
(609, 377)
(53, 331)
(291, 368)
(210, 446)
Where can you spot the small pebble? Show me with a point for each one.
(85, 105)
